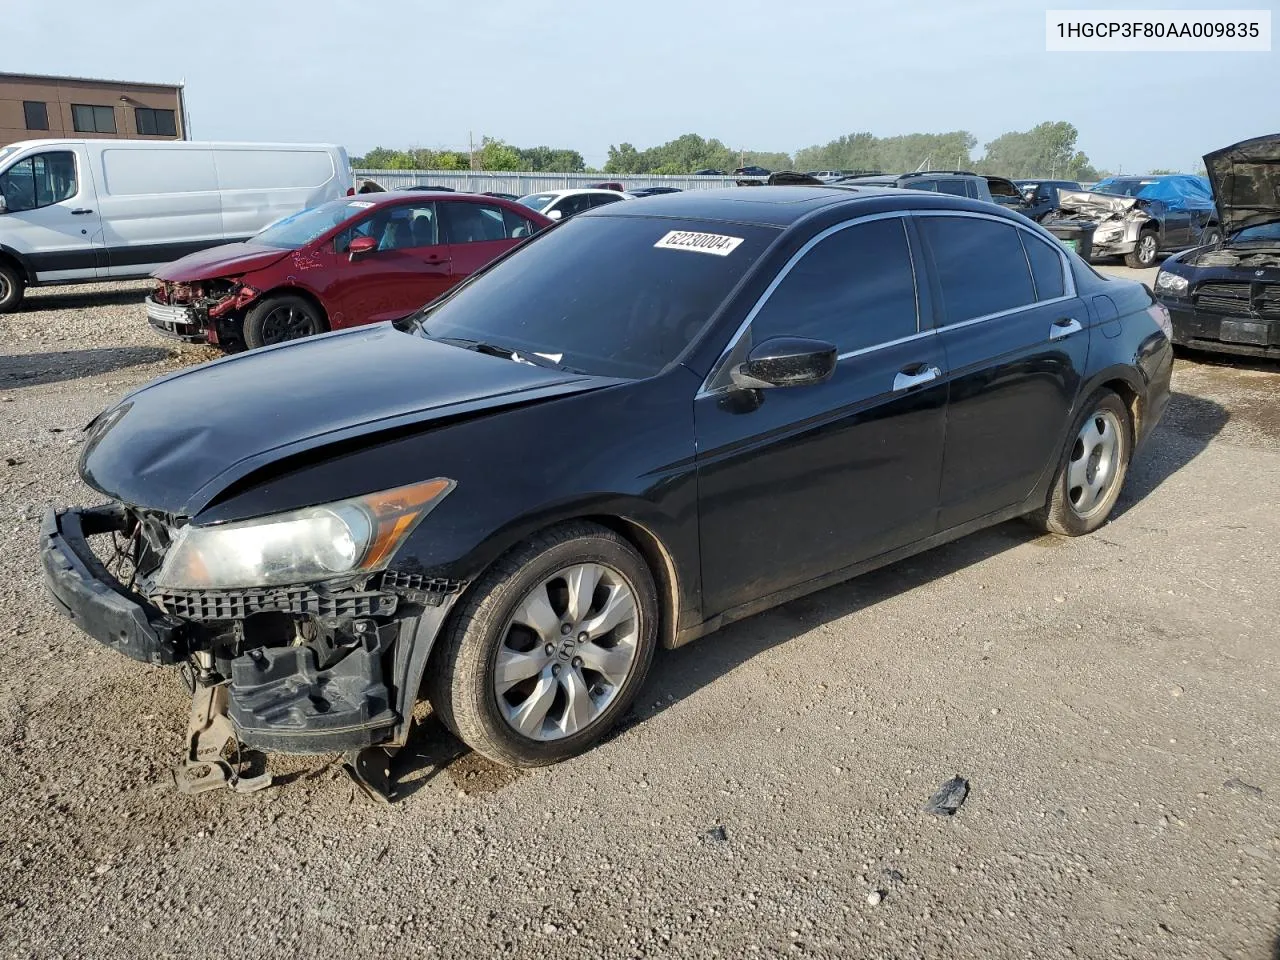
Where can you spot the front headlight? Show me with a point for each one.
(1167, 282)
(316, 543)
(1108, 233)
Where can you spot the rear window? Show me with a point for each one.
(272, 169)
(613, 296)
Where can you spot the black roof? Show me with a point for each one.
(781, 206)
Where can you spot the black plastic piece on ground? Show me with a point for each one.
(949, 798)
(281, 700)
(373, 772)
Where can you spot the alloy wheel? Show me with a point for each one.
(286, 323)
(5, 289)
(566, 652)
(1094, 465)
(1147, 248)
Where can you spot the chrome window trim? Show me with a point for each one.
(705, 390)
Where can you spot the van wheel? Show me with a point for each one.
(282, 318)
(1092, 469)
(12, 288)
(1144, 254)
(549, 647)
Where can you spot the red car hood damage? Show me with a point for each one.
(227, 260)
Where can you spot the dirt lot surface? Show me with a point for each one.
(1111, 700)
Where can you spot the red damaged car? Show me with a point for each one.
(347, 262)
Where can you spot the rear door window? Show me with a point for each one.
(855, 289)
(603, 199)
(479, 222)
(1046, 267)
(980, 265)
(954, 187)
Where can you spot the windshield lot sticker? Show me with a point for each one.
(361, 204)
(699, 242)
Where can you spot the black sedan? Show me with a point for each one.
(1225, 296)
(641, 425)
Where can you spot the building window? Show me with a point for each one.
(157, 123)
(87, 118)
(37, 114)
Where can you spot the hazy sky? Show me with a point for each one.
(761, 75)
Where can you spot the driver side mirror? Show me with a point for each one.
(4, 204)
(786, 362)
(361, 246)
(555, 214)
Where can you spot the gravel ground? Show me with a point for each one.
(1107, 698)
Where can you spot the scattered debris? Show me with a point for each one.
(949, 798)
(893, 876)
(1239, 786)
(55, 429)
(874, 898)
(718, 835)
(550, 928)
(13, 462)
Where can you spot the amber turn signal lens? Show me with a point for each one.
(395, 513)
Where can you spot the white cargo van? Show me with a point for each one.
(75, 211)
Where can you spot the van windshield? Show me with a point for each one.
(295, 232)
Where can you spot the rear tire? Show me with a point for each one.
(12, 288)
(1144, 254)
(525, 695)
(1092, 469)
(281, 318)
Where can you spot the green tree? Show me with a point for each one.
(623, 158)
(551, 160)
(1046, 150)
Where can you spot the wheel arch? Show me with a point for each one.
(13, 258)
(295, 290)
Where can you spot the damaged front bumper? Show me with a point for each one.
(304, 669)
(177, 321)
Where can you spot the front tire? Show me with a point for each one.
(549, 647)
(282, 318)
(1144, 254)
(1092, 470)
(12, 288)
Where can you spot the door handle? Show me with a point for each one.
(1064, 328)
(905, 380)
(80, 211)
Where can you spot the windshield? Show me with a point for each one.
(610, 296)
(1263, 231)
(297, 231)
(537, 201)
(7, 151)
(1123, 188)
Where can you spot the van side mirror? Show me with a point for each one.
(786, 362)
(361, 246)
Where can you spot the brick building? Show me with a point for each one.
(34, 107)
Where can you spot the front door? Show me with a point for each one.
(51, 216)
(409, 267)
(795, 483)
(1016, 341)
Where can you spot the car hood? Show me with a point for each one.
(178, 442)
(1245, 178)
(225, 260)
(1094, 204)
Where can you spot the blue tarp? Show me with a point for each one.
(1179, 191)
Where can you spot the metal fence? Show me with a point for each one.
(521, 184)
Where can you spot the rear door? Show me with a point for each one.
(796, 483)
(478, 233)
(1016, 342)
(409, 267)
(52, 216)
(1175, 231)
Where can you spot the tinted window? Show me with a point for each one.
(160, 123)
(473, 222)
(563, 295)
(971, 189)
(980, 266)
(1046, 267)
(954, 187)
(854, 289)
(39, 181)
(87, 118)
(37, 115)
(931, 185)
(573, 204)
(517, 226)
(602, 199)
